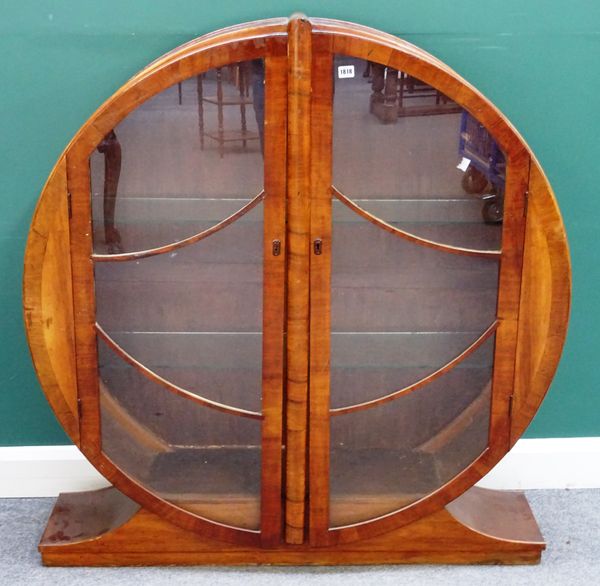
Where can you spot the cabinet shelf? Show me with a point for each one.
(228, 100)
(231, 135)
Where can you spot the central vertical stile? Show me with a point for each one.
(320, 287)
(298, 239)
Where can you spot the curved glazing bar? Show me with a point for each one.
(193, 316)
(421, 383)
(151, 375)
(400, 311)
(408, 236)
(136, 255)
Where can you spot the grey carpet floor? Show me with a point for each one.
(570, 522)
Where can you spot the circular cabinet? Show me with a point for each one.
(293, 290)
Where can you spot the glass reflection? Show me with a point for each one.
(411, 156)
(399, 310)
(194, 316)
(176, 166)
(187, 158)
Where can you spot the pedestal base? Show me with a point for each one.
(105, 528)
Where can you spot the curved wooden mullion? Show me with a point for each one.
(136, 255)
(494, 254)
(420, 383)
(156, 378)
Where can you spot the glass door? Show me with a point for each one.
(178, 242)
(182, 387)
(413, 295)
(407, 387)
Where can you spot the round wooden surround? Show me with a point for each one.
(534, 297)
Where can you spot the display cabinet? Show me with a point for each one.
(304, 348)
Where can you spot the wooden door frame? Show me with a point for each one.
(328, 39)
(265, 39)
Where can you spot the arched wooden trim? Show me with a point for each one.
(495, 254)
(240, 43)
(544, 303)
(136, 255)
(48, 302)
(421, 383)
(176, 390)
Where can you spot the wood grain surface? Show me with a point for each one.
(106, 529)
(298, 239)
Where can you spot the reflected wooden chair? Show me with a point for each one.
(392, 89)
(239, 75)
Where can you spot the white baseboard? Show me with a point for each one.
(41, 471)
(35, 471)
(572, 462)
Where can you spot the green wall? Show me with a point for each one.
(537, 60)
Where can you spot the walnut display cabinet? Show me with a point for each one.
(306, 341)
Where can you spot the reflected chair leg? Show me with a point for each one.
(221, 129)
(387, 109)
(401, 84)
(377, 86)
(242, 73)
(111, 149)
(200, 93)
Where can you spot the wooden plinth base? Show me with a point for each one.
(105, 528)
